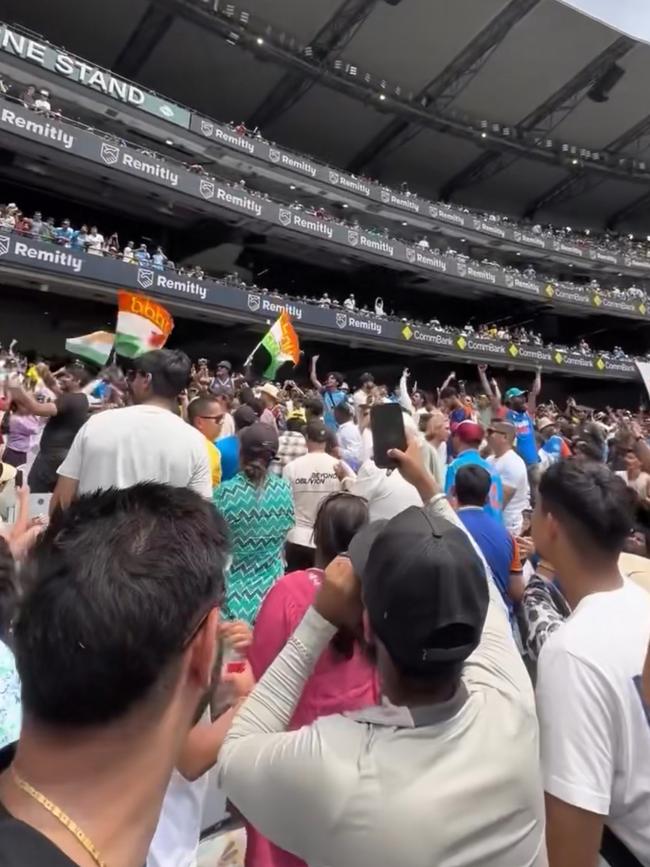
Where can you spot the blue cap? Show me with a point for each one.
(513, 392)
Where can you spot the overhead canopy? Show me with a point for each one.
(526, 63)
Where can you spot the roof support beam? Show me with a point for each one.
(544, 119)
(626, 211)
(151, 28)
(331, 38)
(441, 91)
(581, 182)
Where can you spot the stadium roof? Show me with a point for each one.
(533, 63)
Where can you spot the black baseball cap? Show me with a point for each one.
(259, 440)
(316, 432)
(424, 588)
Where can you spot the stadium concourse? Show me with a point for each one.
(324, 450)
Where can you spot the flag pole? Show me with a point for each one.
(249, 360)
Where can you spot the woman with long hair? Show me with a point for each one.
(258, 507)
(343, 679)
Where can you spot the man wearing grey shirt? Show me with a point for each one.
(445, 771)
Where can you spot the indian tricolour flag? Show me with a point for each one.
(142, 325)
(95, 348)
(282, 344)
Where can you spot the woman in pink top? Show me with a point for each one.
(343, 679)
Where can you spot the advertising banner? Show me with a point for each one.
(19, 253)
(173, 177)
(61, 62)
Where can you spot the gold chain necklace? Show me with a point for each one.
(62, 817)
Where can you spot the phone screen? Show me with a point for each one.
(387, 426)
(19, 479)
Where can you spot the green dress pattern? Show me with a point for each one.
(259, 520)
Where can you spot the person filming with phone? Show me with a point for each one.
(446, 769)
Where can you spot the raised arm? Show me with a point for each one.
(404, 397)
(32, 406)
(449, 379)
(493, 393)
(312, 373)
(534, 392)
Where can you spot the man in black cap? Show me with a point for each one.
(446, 769)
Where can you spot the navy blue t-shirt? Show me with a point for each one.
(496, 544)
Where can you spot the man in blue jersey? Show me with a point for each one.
(521, 413)
(552, 443)
(466, 438)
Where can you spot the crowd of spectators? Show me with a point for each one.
(40, 101)
(94, 242)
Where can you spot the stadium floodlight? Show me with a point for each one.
(382, 96)
(338, 65)
(244, 17)
(352, 70)
(483, 135)
(309, 51)
(229, 11)
(232, 38)
(259, 40)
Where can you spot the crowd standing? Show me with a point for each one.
(441, 662)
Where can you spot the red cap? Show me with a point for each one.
(468, 431)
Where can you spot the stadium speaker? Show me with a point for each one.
(603, 86)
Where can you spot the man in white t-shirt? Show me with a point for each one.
(635, 477)
(95, 242)
(312, 478)
(514, 476)
(146, 442)
(595, 729)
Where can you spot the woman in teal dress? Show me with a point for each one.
(258, 507)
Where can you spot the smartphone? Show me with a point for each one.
(19, 479)
(387, 426)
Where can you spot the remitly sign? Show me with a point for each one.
(54, 60)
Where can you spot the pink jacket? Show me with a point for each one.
(336, 685)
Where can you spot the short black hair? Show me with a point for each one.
(343, 410)
(80, 373)
(472, 485)
(201, 405)
(337, 376)
(110, 604)
(365, 378)
(314, 406)
(449, 391)
(591, 502)
(170, 371)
